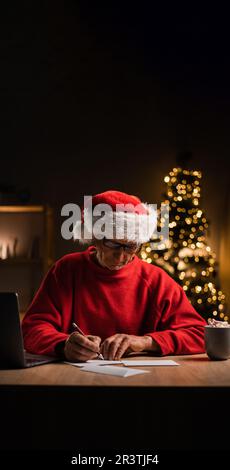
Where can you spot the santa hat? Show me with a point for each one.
(126, 217)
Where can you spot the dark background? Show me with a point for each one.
(103, 95)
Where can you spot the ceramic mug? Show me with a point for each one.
(217, 342)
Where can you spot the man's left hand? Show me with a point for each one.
(116, 346)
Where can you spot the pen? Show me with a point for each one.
(83, 334)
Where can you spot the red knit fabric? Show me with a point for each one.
(113, 197)
(138, 299)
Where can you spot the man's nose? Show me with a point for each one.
(120, 254)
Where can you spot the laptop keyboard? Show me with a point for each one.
(34, 359)
(34, 362)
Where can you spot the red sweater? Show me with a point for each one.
(138, 299)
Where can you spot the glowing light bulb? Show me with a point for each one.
(198, 289)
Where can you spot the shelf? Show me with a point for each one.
(19, 261)
(26, 248)
(21, 209)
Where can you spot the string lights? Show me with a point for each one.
(188, 258)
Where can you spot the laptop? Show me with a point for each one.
(12, 353)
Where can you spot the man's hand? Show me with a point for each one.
(116, 346)
(81, 348)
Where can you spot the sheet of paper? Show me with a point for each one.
(113, 370)
(159, 362)
(96, 362)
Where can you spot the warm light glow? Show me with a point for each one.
(198, 289)
(182, 275)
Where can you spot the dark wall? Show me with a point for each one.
(96, 98)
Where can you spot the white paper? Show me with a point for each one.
(160, 362)
(100, 362)
(97, 362)
(113, 370)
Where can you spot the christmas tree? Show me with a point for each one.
(187, 256)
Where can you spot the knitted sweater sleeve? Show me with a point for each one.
(180, 328)
(43, 326)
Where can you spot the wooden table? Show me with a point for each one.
(195, 370)
(57, 406)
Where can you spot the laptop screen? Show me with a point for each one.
(11, 340)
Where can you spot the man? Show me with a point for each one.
(121, 303)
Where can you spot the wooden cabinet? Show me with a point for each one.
(26, 249)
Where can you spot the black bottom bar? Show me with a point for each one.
(144, 458)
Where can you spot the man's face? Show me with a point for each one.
(114, 254)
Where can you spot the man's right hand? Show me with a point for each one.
(81, 348)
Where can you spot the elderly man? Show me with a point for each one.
(121, 303)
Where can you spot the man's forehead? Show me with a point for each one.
(123, 241)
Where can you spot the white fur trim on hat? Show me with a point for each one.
(129, 226)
